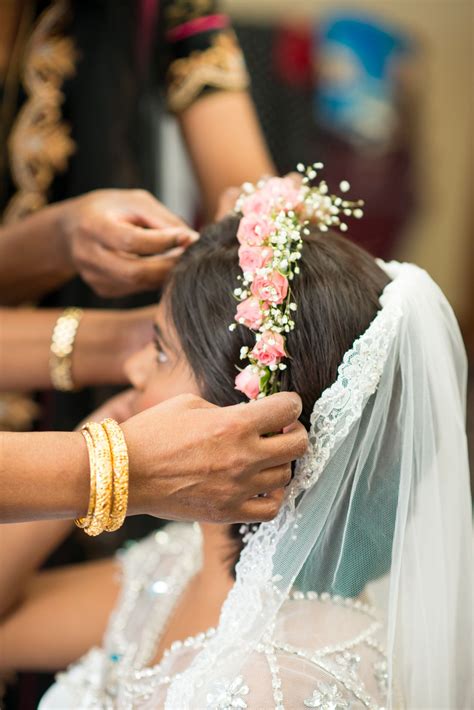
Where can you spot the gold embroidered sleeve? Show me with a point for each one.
(221, 66)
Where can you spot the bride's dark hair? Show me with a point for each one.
(337, 294)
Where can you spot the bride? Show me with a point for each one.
(358, 594)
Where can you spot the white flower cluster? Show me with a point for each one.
(276, 215)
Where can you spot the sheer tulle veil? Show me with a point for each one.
(379, 509)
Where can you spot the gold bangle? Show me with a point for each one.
(86, 522)
(102, 464)
(62, 346)
(119, 453)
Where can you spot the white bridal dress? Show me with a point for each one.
(359, 593)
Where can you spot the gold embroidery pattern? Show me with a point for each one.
(180, 11)
(40, 144)
(221, 66)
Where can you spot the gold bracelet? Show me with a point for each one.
(62, 345)
(86, 522)
(119, 453)
(101, 462)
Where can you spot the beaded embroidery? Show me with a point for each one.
(155, 573)
(40, 144)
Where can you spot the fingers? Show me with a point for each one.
(272, 479)
(282, 448)
(296, 178)
(121, 236)
(150, 211)
(112, 274)
(120, 408)
(227, 202)
(274, 413)
(259, 510)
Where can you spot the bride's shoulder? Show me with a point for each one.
(323, 652)
(320, 620)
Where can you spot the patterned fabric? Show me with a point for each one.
(339, 669)
(204, 54)
(84, 118)
(40, 143)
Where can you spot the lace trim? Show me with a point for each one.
(221, 66)
(255, 590)
(115, 676)
(40, 144)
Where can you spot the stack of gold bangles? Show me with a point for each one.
(108, 460)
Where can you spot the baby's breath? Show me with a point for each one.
(314, 206)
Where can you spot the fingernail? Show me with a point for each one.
(187, 237)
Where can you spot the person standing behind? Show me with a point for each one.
(81, 87)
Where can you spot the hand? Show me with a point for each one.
(191, 460)
(120, 407)
(105, 341)
(226, 202)
(122, 241)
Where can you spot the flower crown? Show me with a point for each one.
(276, 213)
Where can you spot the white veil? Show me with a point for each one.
(379, 507)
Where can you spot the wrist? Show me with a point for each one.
(140, 485)
(80, 484)
(59, 216)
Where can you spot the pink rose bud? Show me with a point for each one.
(257, 203)
(254, 229)
(283, 192)
(248, 382)
(270, 348)
(249, 313)
(253, 258)
(272, 288)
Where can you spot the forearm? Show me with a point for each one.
(225, 142)
(33, 257)
(104, 340)
(43, 475)
(25, 546)
(46, 476)
(63, 613)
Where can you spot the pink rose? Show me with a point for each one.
(272, 288)
(248, 382)
(257, 203)
(282, 192)
(249, 313)
(253, 258)
(270, 348)
(254, 229)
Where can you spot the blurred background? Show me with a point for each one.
(380, 91)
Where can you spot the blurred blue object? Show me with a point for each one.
(358, 66)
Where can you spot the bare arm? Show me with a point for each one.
(225, 143)
(99, 236)
(43, 475)
(63, 614)
(33, 257)
(213, 467)
(104, 341)
(25, 546)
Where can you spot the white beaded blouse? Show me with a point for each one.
(323, 652)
